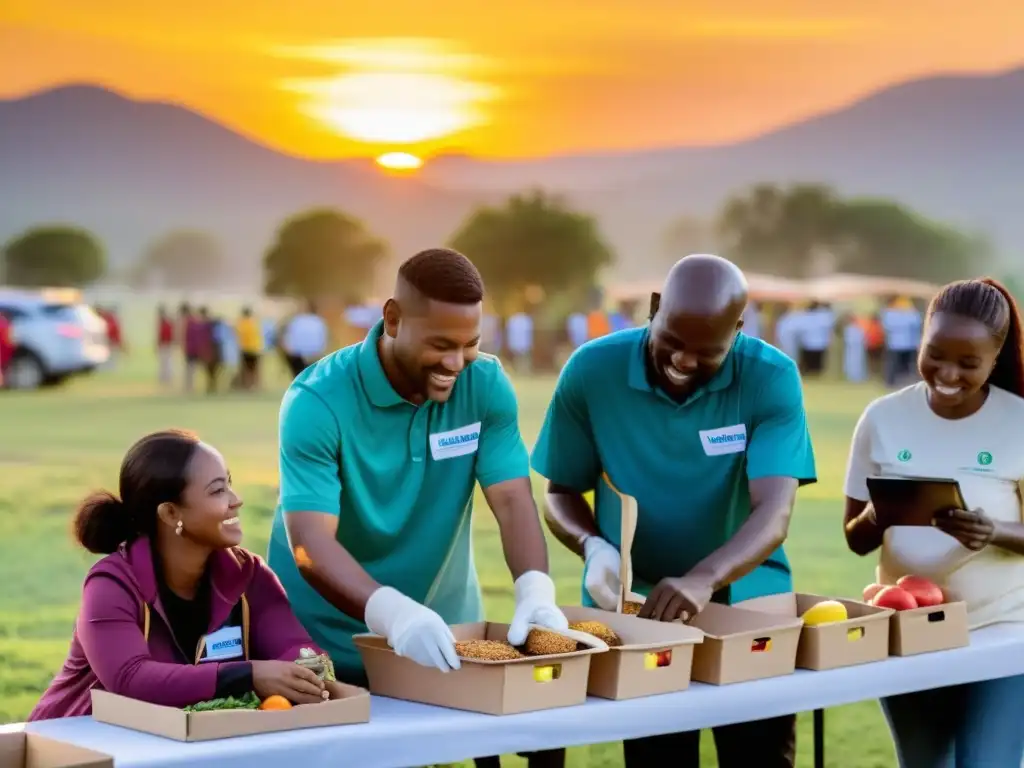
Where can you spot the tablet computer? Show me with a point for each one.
(913, 500)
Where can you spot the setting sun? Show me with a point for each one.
(393, 91)
(399, 161)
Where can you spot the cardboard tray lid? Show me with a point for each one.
(488, 630)
(349, 704)
(637, 634)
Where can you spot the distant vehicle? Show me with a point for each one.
(55, 336)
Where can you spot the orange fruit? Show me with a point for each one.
(275, 702)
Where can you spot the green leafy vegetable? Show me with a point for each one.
(248, 701)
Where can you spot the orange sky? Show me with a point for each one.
(532, 77)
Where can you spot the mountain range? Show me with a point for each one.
(949, 145)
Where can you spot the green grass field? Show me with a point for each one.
(58, 445)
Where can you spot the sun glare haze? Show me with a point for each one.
(399, 161)
(394, 92)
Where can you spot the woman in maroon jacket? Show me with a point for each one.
(177, 612)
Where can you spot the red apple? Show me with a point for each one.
(664, 658)
(925, 592)
(870, 591)
(896, 598)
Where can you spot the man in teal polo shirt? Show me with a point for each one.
(705, 427)
(381, 446)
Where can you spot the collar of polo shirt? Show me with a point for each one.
(371, 372)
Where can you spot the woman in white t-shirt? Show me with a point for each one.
(964, 420)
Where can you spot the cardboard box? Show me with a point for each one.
(625, 671)
(347, 705)
(862, 638)
(922, 630)
(489, 687)
(741, 645)
(29, 750)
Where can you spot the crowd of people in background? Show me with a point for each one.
(882, 344)
(229, 354)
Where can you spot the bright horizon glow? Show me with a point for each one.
(402, 92)
(399, 161)
(557, 78)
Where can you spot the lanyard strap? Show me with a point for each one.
(202, 641)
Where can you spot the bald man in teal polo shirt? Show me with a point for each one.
(705, 427)
(381, 446)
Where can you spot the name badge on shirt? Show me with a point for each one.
(457, 442)
(725, 440)
(223, 645)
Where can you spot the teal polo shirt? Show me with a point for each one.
(400, 478)
(687, 465)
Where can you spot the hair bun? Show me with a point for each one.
(103, 523)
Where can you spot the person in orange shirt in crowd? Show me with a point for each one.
(598, 324)
(874, 342)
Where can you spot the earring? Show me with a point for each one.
(180, 527)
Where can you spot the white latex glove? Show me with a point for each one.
(412, 629)
(535, 604)
(602, 580)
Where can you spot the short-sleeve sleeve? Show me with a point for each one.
(566, 452)
(502, 454)
(309, 455)
(860, 466)
(779, 444)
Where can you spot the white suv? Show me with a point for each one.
(53, 339)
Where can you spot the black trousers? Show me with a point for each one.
(548, 758)
(296, 364)
(765, 743)
(812, 360)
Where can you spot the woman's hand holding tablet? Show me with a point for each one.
(912, 500)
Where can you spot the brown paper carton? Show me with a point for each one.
(741, 645)
(491, 687)
(922, 630)
(862, 638)
(29, 750)
(655, 657)
(347, 705)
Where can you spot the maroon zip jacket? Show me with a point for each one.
(110, 652)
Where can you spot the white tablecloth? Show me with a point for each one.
(402, 734)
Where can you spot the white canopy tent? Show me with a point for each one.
(838, 287)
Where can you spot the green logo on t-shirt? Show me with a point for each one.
(903, 455)
(984, 458)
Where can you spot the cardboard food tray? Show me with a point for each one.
(862, 638)
(29, 750)
(489, 687)
(347, 705)
(923, 630)
(739, 644)
(624, 671)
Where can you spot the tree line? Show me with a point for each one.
(536, 246)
